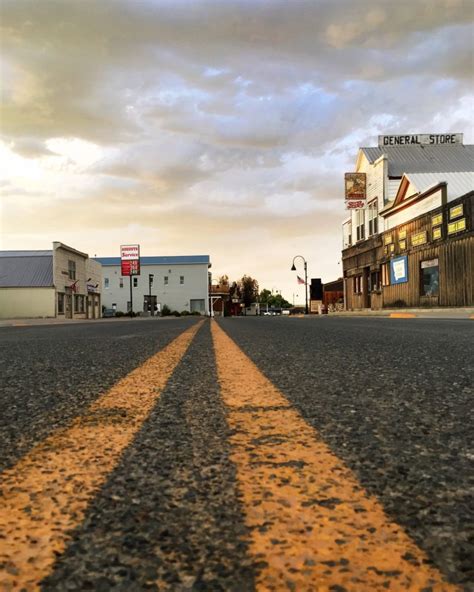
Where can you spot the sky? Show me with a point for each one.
(218, 128)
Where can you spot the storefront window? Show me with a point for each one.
(60, 303)
(79, 303)
(375, 281)
(358, 284)
(430, 278)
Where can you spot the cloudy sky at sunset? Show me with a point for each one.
(215, 127)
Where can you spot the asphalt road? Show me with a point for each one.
(391, 399)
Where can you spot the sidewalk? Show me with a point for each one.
(427, 313)
(52, 321)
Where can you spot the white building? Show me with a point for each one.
(423, 164)
(180, 282)
(61, 282)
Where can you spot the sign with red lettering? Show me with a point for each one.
(129, 252)
(355, 204)
(130, 259)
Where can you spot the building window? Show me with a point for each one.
(358, 284)
(347, 234)
(373, 218)
(430, 278)
(181, 279)
(165, 279)
(106, 283)
(375, 281)
(385, 274)
(79, 303)
(60, 303)
(135, 282)
(71, 267)
(120, 282)
(360, 224)
(197, 305)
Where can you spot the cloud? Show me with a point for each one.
(213, 120)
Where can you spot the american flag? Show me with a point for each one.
(300, 280)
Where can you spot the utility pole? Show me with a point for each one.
(131, 298)
(150, 284)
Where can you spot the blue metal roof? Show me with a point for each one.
(178, 260)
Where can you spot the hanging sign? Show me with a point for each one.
(355, 190)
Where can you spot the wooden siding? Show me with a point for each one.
(455, 254)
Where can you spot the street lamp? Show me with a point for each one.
(293, 268)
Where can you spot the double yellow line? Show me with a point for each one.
(312, 526)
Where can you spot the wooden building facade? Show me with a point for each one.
(421, 261)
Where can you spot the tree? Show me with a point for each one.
(249, 290)
(223, 280)
(234, 290)
(273, 300)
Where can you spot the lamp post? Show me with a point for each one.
(293, 268)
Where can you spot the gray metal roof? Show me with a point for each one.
(25, 253)
(457, 183)
(424, 159)
(26, 269)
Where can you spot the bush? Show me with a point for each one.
(195, 313)
(165, 311)
(176, 313)
(399, 304)
(184, 313)
(119, 313)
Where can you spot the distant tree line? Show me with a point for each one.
(247, 290)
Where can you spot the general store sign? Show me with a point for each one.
(130, 259)
(420, 139)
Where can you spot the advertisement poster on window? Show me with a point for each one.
(399, 270)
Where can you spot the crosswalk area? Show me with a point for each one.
(196, 472)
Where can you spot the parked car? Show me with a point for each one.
(108, 312)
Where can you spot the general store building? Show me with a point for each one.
(61, 282)
(179, 282)
(413, 243)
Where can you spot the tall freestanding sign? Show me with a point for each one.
(130, 264)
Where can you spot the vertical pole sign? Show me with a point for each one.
(130, 264)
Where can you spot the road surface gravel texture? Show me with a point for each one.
(391, 399)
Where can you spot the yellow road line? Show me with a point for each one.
(313, 527)
(47, 492)
(402, 315)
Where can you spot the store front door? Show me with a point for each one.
(68, 306)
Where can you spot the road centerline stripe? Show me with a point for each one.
(313, 526)
(45, 495)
